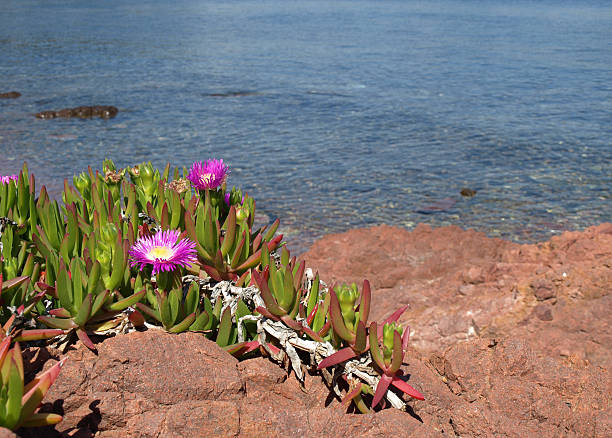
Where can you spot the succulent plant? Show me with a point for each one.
(86, 305)
(18, 402)
(349, 318)
(390, 359)
(228, 251)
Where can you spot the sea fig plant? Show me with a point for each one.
(19, 402)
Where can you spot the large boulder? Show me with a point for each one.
(462, 285)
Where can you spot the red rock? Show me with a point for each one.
(463, 285)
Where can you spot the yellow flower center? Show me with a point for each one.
(207, 178)
(161, 252)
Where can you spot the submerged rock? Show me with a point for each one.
(10, 95)
(82, 112)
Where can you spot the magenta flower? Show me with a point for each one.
(163, 251)
(208, 175)
(7, 179)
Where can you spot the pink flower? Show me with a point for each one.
(7, 179)
(208, 175)
(163, 251)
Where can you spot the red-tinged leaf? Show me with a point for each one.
(38, 334)
(381, 389)
(395, 315)
(242, 348)
(148, 311)
(212, 272)
(273, 244)
(136, 318)
(85, 339)
(274, 349)
(60, 323)
(297, 279)
(271, 304)
(406, 388)
(339, 356)
(364, 304)
(4, 348)
(257, 242)
(52, 374)
(325, 329)
(374, 348)
(361, 338)
(9, 322)
(251, 262)
(312, 315)
(352, 394)
(291, 323)
(397, 354)
(405, 339)
(13, 282)
(50, 290)
(241, 280)
(313, 335)
(267, 314)
(337, 320)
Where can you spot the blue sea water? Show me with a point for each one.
(332, 115)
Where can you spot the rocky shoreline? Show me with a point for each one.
(507, 340)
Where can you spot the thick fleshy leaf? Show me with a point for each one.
(212, 272)
(337, 320)
(292, 323)
(271, 304)
(128, 301)
(242, 348)
(42, 419)
(397, 355)
(60, 313)
(12, 283)
(405, 339)
(352, 394)
(392, 318)
(84, 311)
(339, 356)
(374, 348)
(136, 318)
(230, 231)
(85, 339)
(184, 324)
(60, 323)
(381, 389)
(225, 328)
(37, 334)
(361, 338)
(266, 313)
(406, 388)
(364, 304)
(313, 335)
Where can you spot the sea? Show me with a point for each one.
(331, 114)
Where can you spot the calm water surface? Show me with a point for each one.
(354, 112)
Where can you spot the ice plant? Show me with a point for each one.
(209, 174)
(164, 251)
(19, 402)
(8, 178)
(389, 360)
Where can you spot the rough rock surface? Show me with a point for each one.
(461, 285)
(510, 340)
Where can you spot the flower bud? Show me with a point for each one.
(108, 233)
(83, 183)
